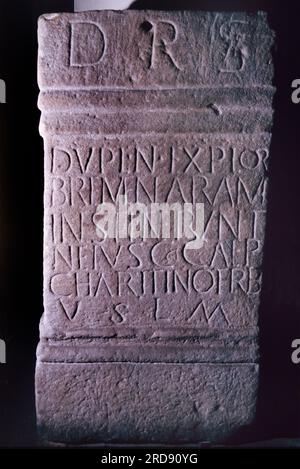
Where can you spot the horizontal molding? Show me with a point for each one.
(244, 120)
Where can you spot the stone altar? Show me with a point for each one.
(143, 340)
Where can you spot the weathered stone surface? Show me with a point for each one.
(145, 402)
(146, 340)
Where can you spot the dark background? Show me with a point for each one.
(21, 187)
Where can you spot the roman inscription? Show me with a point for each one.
(94, 39)
(163, 33)
(157, 130)
(97, 275)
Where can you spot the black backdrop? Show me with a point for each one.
(21, 187)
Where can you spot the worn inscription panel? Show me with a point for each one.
(152, 110)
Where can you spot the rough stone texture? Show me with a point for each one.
(145, 341)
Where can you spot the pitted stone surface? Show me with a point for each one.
(146, 340)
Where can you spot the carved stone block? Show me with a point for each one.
(149, 340)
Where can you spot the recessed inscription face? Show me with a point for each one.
(158, 283)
